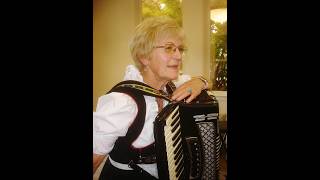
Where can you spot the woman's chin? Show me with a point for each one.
(174, 76)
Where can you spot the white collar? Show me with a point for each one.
(132, 73)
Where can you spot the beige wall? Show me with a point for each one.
(196, 24)
(113, 24)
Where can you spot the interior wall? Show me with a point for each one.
(113, 25)
(196, 24)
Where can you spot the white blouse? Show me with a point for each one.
(114, 114)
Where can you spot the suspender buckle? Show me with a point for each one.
(146, 159)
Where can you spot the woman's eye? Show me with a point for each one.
(169, 48)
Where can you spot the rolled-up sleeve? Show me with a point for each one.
(114, 114)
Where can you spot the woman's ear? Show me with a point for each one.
(144, 60)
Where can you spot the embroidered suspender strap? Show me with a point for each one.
(170, 87)
(123, 151)
(143, 88)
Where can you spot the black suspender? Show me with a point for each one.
(123, 151)
(144, 89)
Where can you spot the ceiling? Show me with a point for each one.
(217, 4)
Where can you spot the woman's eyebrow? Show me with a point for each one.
(169, 43)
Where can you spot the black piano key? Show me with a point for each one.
(175, 120)
(177, 134)
(178, 148)
(181, 177)
(178, 159)
(175, 127)
(179, 168)
(175, 115)
(175, 142)
(177, 154)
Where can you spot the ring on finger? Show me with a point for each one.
(189, 90)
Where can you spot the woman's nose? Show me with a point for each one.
(177, 54)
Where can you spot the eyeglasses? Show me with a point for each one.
(171, 49)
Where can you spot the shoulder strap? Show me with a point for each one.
(170, 87)
(143, 88)
(136, 127)
(122, 151)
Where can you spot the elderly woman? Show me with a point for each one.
(157, 48)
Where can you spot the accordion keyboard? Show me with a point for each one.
(172, 132)
(186, 141)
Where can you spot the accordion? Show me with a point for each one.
(187, 140)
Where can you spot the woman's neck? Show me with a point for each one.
(153, 81)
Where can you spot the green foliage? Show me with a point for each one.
(218, 39)
(151, 8)
(219, 54)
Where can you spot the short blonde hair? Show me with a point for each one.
(148, 32)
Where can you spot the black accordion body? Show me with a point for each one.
(187, 140)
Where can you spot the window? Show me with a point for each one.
(218, 45)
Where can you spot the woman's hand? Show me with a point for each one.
(191, 88)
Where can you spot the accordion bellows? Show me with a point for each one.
(187, 140)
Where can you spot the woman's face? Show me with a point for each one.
(165, 59)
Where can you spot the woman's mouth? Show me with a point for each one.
(173, 67)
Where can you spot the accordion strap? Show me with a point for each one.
(146, 89)
(123, 150)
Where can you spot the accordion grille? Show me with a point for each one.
(209, 138)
